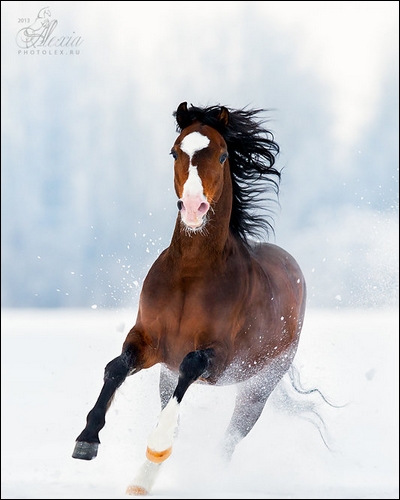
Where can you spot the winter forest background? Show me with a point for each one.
(87, 183)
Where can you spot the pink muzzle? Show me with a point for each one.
(193, 210)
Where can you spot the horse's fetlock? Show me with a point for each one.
(88, 437)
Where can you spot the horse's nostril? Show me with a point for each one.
(180, 204)
(203, 207)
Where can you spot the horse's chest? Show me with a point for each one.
(175, 305)
(185, 312)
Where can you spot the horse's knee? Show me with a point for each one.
(195, 364)
(118, 369)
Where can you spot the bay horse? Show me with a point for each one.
(218, 305)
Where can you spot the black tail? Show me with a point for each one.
(305, 408)
(294, 375)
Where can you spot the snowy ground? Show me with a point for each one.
(52, 367)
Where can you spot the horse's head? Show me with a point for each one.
(200, 153)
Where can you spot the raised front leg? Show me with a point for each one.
(115, 373)
(159, 444)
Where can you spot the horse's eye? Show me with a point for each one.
(223, 157)
(173, 153)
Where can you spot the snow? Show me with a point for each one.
(52, 367)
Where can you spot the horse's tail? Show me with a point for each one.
(305, 407)
(294, 376)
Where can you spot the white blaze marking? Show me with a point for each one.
(162, 437)
(190, 145)
(193, 186)
(194, 142)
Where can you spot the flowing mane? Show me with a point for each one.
(252, 151)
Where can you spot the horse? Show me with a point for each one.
(219, 305)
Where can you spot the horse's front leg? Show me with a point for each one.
(167, 385)
(115, 373)
(159, 445)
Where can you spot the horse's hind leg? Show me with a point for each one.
(115, 373)
(159, 444)
(250, 401)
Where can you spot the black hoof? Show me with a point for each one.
(85, 451)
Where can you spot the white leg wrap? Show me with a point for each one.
(144, 479)
(162, 437)
(159, 447)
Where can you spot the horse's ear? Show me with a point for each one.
(223, 116)
(182, 115)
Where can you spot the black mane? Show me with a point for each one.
(252, 151)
